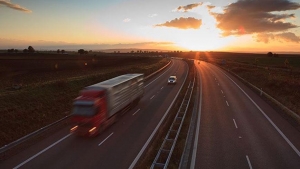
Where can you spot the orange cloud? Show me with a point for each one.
(189, 7)
(14, 6)
(183, 23)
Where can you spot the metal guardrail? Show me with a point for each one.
(164, 154)
(6, 148)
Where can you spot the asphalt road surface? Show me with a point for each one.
(238, 129)
(117, 147)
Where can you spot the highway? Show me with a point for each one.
(237, 128)
(120, 145)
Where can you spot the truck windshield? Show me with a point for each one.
(84, 110)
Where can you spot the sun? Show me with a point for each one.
(204, 40)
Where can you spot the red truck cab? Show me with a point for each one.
(89, 113)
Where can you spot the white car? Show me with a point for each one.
(172, 80)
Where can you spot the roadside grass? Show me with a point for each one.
(46, 98)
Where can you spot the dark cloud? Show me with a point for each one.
(189, 7)
(209, 7)
(14, 6)
(183, 23)
(282, 37)
(288, 37)
(255, 16)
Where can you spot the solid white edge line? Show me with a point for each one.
(267, 117)
(195, 147)
(249, 163)
(227, 103)
(39, 153)
(136, 112)
(235, 124)
(158, 76)
(105, 139)
(152, 97)
(222, 91)
(155, 130)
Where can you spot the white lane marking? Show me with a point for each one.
(152, 97)
(222, 91)
(136, 112)
(161, 88)
(249, 163)
(195, 147)
(156, 128)
(105, 139)
(227, 103)
(267, 117)
(29, 159)
(218, 84)
(235, 124)
(159, 76)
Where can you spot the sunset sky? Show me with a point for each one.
(224, 25)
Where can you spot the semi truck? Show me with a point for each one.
(99, 105)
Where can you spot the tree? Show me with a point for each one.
(10, 50)
(31, 49)
(62, 51)
(81, 51)
(270, 54)
(58, 51)
(25, 51)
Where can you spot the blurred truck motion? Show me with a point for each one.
(99, 105)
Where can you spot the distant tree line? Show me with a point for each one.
(270, 54)
(30, 49)
(82, 51)
(61, 51)
(12, 50)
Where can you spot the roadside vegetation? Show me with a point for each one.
(38, 89)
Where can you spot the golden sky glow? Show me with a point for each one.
(232, 25)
